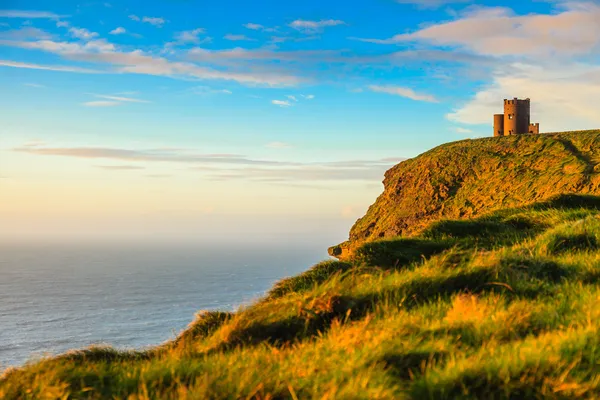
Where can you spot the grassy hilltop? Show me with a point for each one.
(492, 291)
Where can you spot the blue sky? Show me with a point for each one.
(178, 118)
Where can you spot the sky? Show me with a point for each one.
(192, 120)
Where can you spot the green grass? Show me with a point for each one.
(503, 306)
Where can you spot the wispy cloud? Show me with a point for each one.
(281, 103)
(118, 31)
(156, 21)
(191, 36)
(60, 68)
(238, 38)
(148, 155)
(205, 90)
(25, 33)
(101, 103)
(403, 92)
(314, 26)
(259, 27)
(82, 33)
(34, 85)
(120, 167)
(294, 98)
(231, 166)
(28, 14)
(121, 99)
(101, 51)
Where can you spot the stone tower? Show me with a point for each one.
(516, 119)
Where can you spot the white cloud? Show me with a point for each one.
(118, 31)
(258, 27)
(121, 99)
(278, 145)
(24, 33)
(34, 85)
(204, 90)
(314, 26)
(191, 36)
(102, 103)
(27, 14)
(82, 33)
(255, 27)
(403, 92)
(281, 103)
(60, 68)
(563, 96)
(308, 96)
(156, 21)
(62, 24)
(498, 32)
(102, 52)
(237, 38)
(294, 98)
(134, 17)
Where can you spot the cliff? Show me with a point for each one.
(490, 292)
(463, 179)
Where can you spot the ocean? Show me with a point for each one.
(57, 297)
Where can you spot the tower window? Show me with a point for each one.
(510, 116)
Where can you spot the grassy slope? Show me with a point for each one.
(504, 305)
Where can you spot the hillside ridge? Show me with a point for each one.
(466, 178)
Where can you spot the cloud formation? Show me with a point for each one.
(231, 166)
(497, 31)
(237, 38)
(281, 103)
(101, 51)
(156, 21)
(60, 68)
(102, 103)
(259, 27)
(82, 33)
(314, 26)
(28, 14)
(403, 92)
(556, 92)
(118, 31)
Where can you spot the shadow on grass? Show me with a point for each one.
(407, 365)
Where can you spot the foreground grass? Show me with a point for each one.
(503, 306)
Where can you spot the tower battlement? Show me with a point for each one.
(516, 119)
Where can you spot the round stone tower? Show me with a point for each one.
(516, 116)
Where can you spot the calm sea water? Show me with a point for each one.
(57, 297)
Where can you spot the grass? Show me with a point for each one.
(504, 306)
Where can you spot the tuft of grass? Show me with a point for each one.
(307, 280)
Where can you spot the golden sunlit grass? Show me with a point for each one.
(503, 306)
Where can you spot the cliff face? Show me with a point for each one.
(463, 179)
